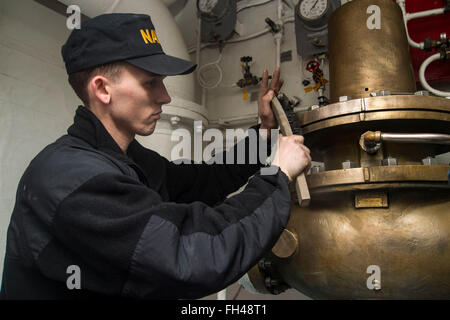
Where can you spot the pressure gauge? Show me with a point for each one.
(312, 9)
(311, 25)
(206, 6)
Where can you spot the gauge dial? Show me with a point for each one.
(206, 6)
(312, 9)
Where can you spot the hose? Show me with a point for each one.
(424, 82)
(202, 82)
(415, 15)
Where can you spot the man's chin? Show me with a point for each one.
(145, 129)
(145, 133)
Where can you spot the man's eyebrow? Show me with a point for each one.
(148, 77)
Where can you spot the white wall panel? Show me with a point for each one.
(36, 102)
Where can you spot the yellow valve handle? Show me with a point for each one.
(322, 82)
(309, 89)
(245, 96)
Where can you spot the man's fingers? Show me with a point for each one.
(264, 109)
(307, 152)
(299, 138)
(279, 85)
(275, 80)
(275, 84)
(268, 96)
(306, 149)
(264, 83)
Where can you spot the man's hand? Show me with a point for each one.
(292, 156)
(266, 93)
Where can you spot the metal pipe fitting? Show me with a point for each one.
(371, 140)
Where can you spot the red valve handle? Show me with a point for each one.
(312, 66)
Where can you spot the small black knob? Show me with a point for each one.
(246, 59)
(275, 28)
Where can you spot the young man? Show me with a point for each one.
(97, 205)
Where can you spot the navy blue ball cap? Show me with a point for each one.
(120, 37)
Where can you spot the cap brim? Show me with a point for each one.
(163, 64)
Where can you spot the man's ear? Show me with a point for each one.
(100, 89)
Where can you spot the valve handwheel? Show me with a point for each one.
(313, 66)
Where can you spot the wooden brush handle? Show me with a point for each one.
(300, 182)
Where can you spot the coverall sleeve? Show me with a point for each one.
(212, 182)
(170, 250)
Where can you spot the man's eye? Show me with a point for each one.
(152, 83)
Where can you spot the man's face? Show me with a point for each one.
(137, 97)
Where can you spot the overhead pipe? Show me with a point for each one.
(197, 58)
(279, 34)
(409, 16)
(243, 38)
(113, 6)
(241, 7)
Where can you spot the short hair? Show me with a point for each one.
(79, 80)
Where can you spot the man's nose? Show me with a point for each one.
(164, 97)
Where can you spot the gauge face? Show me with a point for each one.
(312, 9)
(206, 6)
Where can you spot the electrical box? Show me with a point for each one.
(218, 19)
(311, 25)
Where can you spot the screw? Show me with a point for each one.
(318, 167)
(315, 169)
(422, 93)
(269, 282)
(347, 164)
(344, 98)
(264, 264)
(428, 161)
(389, 161)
